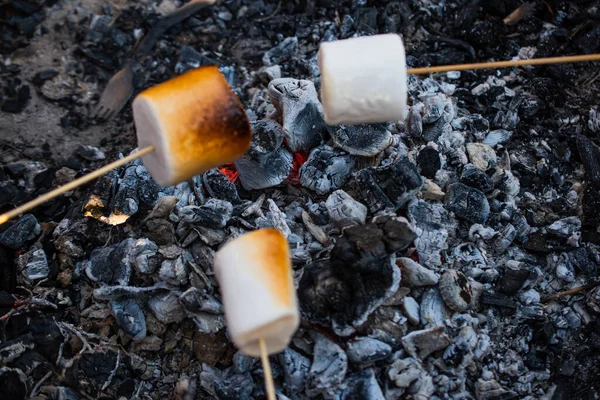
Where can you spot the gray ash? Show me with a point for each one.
(426, 252)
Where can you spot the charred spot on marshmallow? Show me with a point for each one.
(194, 121)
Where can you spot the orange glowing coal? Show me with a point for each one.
(229, 171)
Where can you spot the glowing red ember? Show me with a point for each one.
(229, 171)
(299, 159)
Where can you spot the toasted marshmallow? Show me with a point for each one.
(363, 80)
(254, 272)
(195, 123)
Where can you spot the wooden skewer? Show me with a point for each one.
(73, 184)
(571, 291)
(413, 71)
(505, 64)
(266, 365)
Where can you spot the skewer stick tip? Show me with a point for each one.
(264, 358)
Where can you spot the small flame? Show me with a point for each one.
(229, 171)
(299, 159)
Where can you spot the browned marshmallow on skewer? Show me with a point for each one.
(363, 80)
(255, 275)
(194, 121)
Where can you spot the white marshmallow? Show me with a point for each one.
(255, 275)
(363, 80)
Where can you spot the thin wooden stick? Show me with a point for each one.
(571, 291)
(73, 184)
(505, 64)
(264, 359)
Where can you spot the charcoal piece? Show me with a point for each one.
(130, 317)
(110, 265)
(367, 350)
(429, 162)
(432, 226)
(491, 389)
(432, 309)
(433, 132)
(414, 123)
(408, 373)
(512, 280)
(11, 350)
(414, 274)
(13, 382)
(198, 300)
(90, 153)
(497, 137)
(220, 187)
(565, 227)
(389, 187)
(583, 261)
(366, 140)
(214, 214)
(14, 234)
(34, 265)
(497, 299)
(455, 290)
(361, 246)
(92, 371)
(166, 308)
(175, 272)
(328, 368)
(282, 52)
(481, 155)
(434, 108)
(234, 386)
(362, 385)
(189, 59)
(243, 363)
(476, 178)
(344, 211)
(144, 256)
(301, 113)
(266, 163)
(468, 203)
(295, 369)
(424, 342)
(326, 169)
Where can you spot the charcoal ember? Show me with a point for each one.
(344, 211)
(362, 385)
(512, 280)
(14, 383)
(301, 113)
(328, 368)
(326, 169)
(144, 256)
(34, 265)
(166, 308)
(433, 309)
(497, 137)
(176, 272)
(90, 153)
(424, 342)
(468, 203)
(429, 162)
(491, 389)
(295, 370)
(14, 234)
(389, 187)
(409, 374)
(414, 274)
(435, 131)
(99, 371)
(433, 226)
(475, 124)
(266, 163)
(565, 227)
(243, 363)
(584, 261)
(220, 187)
(498, 299)
(452, 144)
(10, 350)
(365, 140)
(110, 265)
(282, 52)
(410, 308)
(476, 178)
(461, 347)
(130, 317)
(366, 350)
(189, 59)
(234, 386)
(117, 292)
(213, 214)
(200, 301)
(455, 290)
(414, 122)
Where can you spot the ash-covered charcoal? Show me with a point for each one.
(234, 386)
(496, 137)
(101, 371)
(455, 290)
(422, 343)
(144, 256)
(410, 308)
(189, 59)
(200, 301)
(512, 280)
(176, 271)
(295, 370)
(566, 227)
(282, 52)
(389, 187)
(429, 162)
(34, 265)
(11, 350)
(130, 317)
(362, 140)
(110, 265)
(266, 163)
(326, 169)
(481, 155)
(220, 187)
(362, 385)
(166, 308)
(584, 261)
(432, 309)
(365, 350)
(408, 374)
(344, 211)
(301, 113)
(90, 153)
(476, 178)
(328, 368)
(214, 214)
(468, 203)
(14, 234)
(414, 274)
